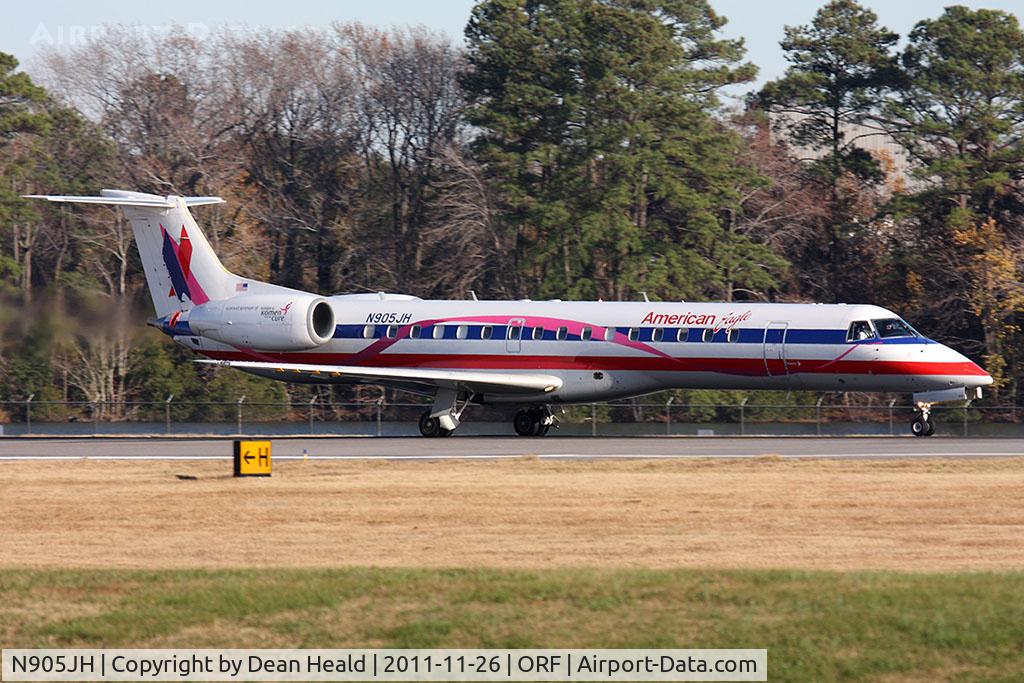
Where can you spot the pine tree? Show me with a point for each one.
(960, 113)
(840, 65)
(597, 130)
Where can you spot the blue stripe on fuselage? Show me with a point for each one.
(646, 334)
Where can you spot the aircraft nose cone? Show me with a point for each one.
(979, 378)
(972, 374)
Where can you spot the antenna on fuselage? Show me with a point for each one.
(472, 295)
(644, 295)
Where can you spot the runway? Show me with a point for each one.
(554, 448)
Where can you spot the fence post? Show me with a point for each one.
(668, 415)
(743, 416)
(239, 414)
(817, 411)
(966, 406)
(891, 404)
(167, 414)
(593, 419)
(311, 402)
(28, 413)
(380, 407)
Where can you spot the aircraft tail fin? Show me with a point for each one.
(181, 267)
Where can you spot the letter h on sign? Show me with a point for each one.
(252, 458)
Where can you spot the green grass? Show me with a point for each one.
(816, 625)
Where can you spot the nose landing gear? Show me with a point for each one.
(534, 421)
(922, 424)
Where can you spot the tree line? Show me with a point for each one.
(566, 149)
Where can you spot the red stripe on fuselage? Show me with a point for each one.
(729, 366)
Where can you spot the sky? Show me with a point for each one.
(29, 25)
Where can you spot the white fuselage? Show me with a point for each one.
(605, 350)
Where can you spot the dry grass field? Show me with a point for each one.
(947, 515)
(530, 553)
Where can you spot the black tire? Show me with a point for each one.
(430, 426)
(930, 429)
(537, 415)
(524, 423)
(446, 432)
(544, 429)
(919, 427)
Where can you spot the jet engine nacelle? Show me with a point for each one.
(266, 322)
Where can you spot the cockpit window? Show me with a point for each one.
(893, 327)
(859, 330)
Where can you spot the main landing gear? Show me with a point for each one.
(922, 424)
(443, 417)
(431, 426)
(534, 421)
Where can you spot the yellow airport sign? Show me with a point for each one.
(252, 458)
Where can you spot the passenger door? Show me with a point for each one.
(775, 349)
(514, 335)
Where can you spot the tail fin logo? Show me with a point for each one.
(185, 252)
(178, 260)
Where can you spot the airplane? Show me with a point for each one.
(537, 355)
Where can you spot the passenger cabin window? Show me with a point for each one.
(708, 334)
(634, 334)
(438, 331)
(586, 333)
(682, 334)
(609, 333)
(893, 327)
(368, 332)
(561, 334)
(462, 332)
(859, 330)
(733, 336)
(486, 331)
(392, 331)
(414, 332)
(515, 331)
(658, 334)
(538, 333)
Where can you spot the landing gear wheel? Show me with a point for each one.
(532, 421)
(431, 426)
(524, 424)
(922, 426)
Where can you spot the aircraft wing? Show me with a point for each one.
(476, 381)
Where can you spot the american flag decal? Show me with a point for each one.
(241, 286)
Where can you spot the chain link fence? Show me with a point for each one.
(384, 418)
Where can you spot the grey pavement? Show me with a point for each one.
(552, 447)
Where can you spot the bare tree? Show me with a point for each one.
(463, 247)
(410, 111)
(293, 95)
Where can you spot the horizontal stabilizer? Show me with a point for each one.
(125, 198)
(476, 381)
(182, 270)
